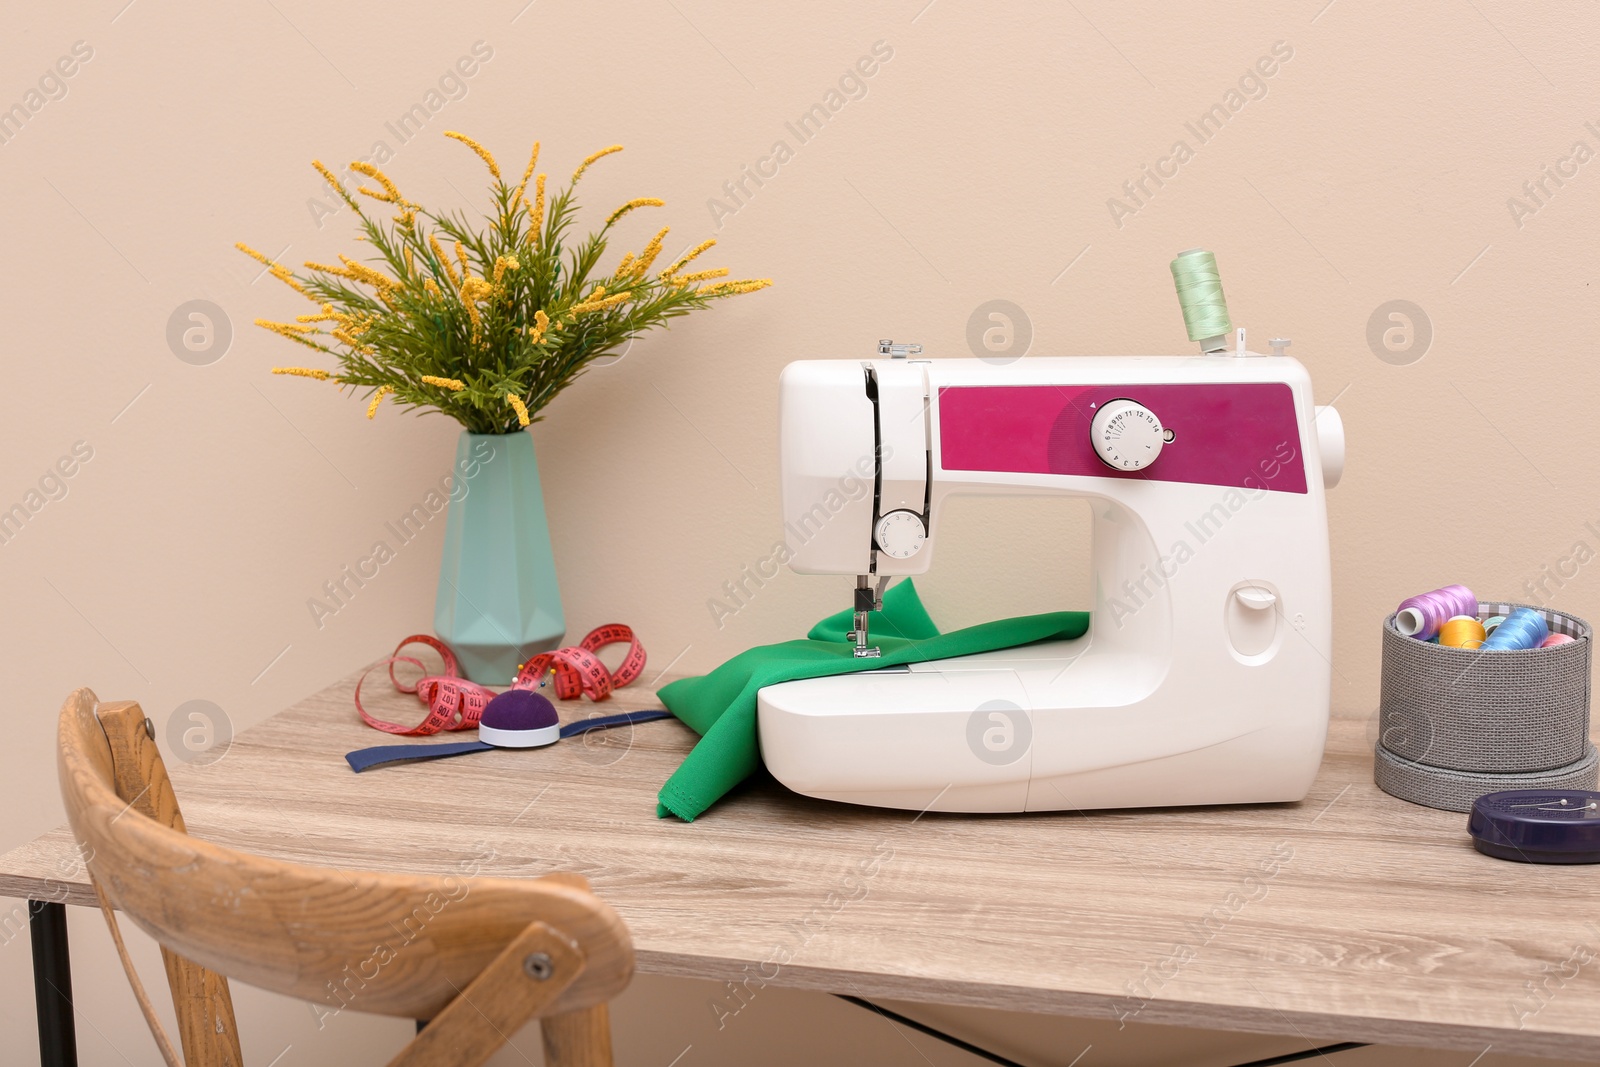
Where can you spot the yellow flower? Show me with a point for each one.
(338, 187)
(704, 276)
(687, 256)
(411, 263)
(472, 291)
(461, 254)
(326, 315)
(522, 186)
(651, 251)
(431, 287)
(627, 261)
(451, 384)
(593, 304)
(377, 398)
(444, 261)
(390, 194)
(363, 273)
(747, 285)
(278, 271)
(521, 409)
(643, 201)
(294, 332)
(541, 324)
(483, 153)
(503, 264)
(536, 219)
(303, 372)
(337, 272)
(598, 155)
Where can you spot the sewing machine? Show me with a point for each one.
(1204, 675)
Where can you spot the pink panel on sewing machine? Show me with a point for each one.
(1235, 434)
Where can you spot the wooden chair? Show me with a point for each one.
(475, 956)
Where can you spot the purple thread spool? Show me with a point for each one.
(1422, 615)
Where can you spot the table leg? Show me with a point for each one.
(52, 984)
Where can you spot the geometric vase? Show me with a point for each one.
(498, 602)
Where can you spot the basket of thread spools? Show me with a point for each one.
(1479, 697)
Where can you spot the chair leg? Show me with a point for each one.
(578, 1038)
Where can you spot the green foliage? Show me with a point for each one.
(411, 310)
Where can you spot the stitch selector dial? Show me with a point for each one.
(1126, 435)
(900, 534)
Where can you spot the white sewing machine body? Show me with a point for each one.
(1204, 675)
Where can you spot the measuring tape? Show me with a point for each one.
(454, 703)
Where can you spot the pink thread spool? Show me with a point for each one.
(1422, 615)
(1557, 639)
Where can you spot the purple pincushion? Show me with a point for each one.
(519, 718)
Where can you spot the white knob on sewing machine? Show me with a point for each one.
(1126, 435)
(900, 534)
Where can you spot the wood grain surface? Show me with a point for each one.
(1348, 916)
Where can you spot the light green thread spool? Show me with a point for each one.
(1205, 309)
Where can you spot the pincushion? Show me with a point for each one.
(519, 718)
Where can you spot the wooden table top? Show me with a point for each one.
(1348, 916)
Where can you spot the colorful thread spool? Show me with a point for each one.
(1523, 628)
(1557, 639)
(1461, 631)
(1491, 623)
(1205, 309)
(1421, 615)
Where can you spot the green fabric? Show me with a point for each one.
(721, 706)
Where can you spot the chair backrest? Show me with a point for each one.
(478, 956)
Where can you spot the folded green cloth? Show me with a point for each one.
(721, 706)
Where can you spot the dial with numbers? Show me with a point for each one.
(900, 534)
(1126, 435)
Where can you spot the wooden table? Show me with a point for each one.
(1349, 916)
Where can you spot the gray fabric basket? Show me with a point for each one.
(1487, 710)
(1456, 790)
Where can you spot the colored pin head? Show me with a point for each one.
(519, 718)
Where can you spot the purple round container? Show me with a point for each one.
(1537, 825)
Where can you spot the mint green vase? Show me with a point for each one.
(498, 601)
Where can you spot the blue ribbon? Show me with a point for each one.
(367, 758)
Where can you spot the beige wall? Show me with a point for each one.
(979, 164)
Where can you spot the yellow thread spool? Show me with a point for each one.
(1462, 631)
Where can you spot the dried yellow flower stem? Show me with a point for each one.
(503, 264)
(599, 305)
(643, 201)
(338, 187)
(444, 261)
(303, 372)
(452, 384)
(651, 251)
(623, 267)
(541, 325)
(461, 254)
(687, 256)
(527, 173)
(703, 276)
(536, 219)
(483, 153)
(519, 407)
(746, 285)
(431, 287)
(278, 271)
(377, 398)
(390, 194)
(597, 155)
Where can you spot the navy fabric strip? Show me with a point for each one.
(626, 718)
(365, 758)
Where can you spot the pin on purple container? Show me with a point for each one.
(1537, 825)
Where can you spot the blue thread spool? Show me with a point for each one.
(1523, 628)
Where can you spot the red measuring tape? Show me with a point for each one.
(454, 703)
